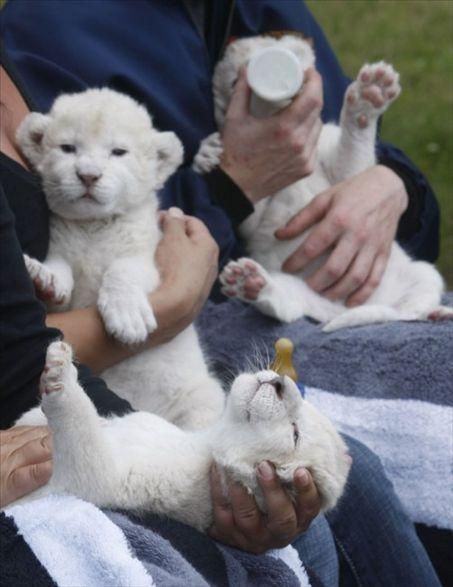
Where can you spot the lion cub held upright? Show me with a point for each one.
(102, 163)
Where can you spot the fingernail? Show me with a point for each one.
(265, 470)
(175, 212)
(301, 476)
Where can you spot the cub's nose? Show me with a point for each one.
(88, 179)
(274, 380)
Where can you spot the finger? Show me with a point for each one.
(29, 432)
(308, 501)
(247, 517)
(222, 513)
(361, 295)
(172, 221)
(196, 229)
(355, 277)
(321, 238)
(306, 217)
(309, 99)
(281, 515)
(335, 266)
(36, 450)
(24, 480)
(240, 99)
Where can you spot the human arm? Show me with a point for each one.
(187, 261)
(25, 461)
(238, 521)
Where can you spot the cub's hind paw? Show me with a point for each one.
(441, 313)
(244, 279)
(59, 370)
(376, 87)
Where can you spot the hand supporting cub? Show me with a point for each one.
(357, 219)
(240, 523)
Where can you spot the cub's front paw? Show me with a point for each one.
(47, 285)
(375, 88)
(209, 154)
(243, 279)
(59, 372)
(127, 317)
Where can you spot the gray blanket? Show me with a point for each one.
(389, 385)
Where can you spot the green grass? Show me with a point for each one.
(417, 38)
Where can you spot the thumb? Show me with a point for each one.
(239, 103)
(172, 220)
(312, 213)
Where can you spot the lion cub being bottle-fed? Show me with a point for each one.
(409, 290)
(102, 163)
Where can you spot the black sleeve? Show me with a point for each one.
(229, 196)
(24, 336)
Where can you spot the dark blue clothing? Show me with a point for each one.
(152, 50)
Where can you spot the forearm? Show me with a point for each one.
(84, 330)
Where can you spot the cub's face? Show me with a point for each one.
(267, 419)
(239, 54)
(98, 154)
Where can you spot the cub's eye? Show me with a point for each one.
(295, 434)
(68, 148)
(118, 152)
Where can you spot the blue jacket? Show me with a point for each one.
(152, 50)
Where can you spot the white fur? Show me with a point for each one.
(409, 290)
(103, 236)
(143, 462)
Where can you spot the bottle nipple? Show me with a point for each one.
(283, 361)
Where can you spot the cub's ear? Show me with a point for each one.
(169, 153)
(30, 134)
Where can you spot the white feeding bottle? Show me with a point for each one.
(275, 76)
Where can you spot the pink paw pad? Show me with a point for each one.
(58, 361)
(441, 314)
(243, 278)
(377, 85)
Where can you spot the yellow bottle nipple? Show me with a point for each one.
(283, 361)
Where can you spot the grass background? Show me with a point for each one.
(416, 36)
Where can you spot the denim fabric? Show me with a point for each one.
(316, 548)
(376, 540)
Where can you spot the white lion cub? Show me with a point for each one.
(409, 290)
(141, 461)
(102, 163)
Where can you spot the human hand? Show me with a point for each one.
(25, 461)
(264, 155)
(357, 219)
(241, 524)
(187, 260)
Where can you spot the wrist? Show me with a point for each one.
(394, 184)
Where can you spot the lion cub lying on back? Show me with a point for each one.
(102, 163)
(142, 462)
(409, 290)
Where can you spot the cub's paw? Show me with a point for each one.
(59, 373)
(46, 283)
(243, 279)
(441, 313)
(209, 154)
(127, 317)
(376, 87)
